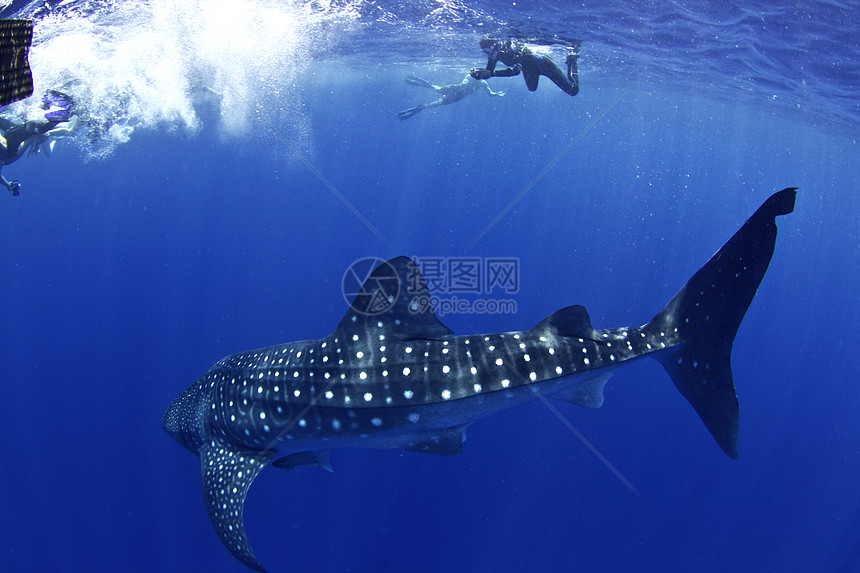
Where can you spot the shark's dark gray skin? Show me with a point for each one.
(391, 375)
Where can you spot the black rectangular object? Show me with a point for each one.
(16, 80)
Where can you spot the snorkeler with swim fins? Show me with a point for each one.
(55, 120)
(521, 59)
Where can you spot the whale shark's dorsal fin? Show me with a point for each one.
(396, 295)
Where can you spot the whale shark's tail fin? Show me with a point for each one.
(706, 313)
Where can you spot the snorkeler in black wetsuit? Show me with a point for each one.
(520, 58)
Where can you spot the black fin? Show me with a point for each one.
(293, 460)
(707, 312)
(323, 461)
(228, 472)
(304, 459)
(570, 321)
(395, 294)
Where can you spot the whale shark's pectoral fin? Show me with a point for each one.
(228, 472)
(445, 442)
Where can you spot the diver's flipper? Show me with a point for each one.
(58, 106)
(421, 82)
(407, 113)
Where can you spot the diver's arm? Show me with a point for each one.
(508, 72)
(491, 64)
(486, 86)
(488, 73)
(484, 73)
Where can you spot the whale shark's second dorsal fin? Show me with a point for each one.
(569, 321)
(394, 297)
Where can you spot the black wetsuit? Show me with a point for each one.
(533, 66)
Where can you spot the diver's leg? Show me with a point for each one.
(548, 68)
(572, 71)
(531, 74)
(64, 128)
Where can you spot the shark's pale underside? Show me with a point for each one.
(391, 375)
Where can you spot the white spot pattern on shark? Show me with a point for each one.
(403, 380)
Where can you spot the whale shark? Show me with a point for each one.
(392, 375)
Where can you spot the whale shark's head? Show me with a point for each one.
(183, 421)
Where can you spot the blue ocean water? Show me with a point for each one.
(193, 216)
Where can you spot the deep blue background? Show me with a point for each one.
(123, 280)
